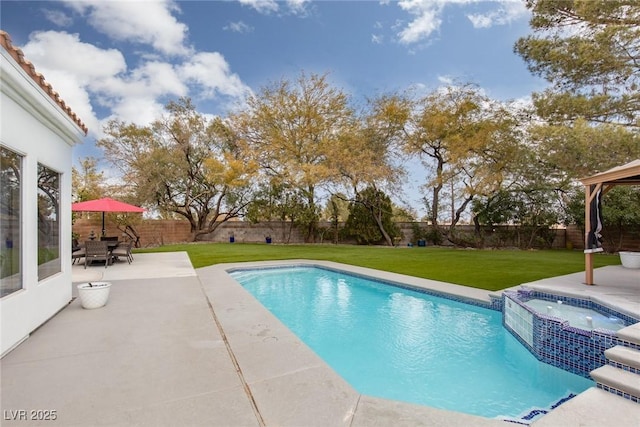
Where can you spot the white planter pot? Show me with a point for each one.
(93, 294)
(630, 259)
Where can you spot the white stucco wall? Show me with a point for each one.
(34, 126)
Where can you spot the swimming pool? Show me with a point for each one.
(400, 344)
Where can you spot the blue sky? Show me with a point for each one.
(126, 59)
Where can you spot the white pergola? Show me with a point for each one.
(628, 174)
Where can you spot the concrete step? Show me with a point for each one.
(625, 356)
(624, 381)
(630, 334)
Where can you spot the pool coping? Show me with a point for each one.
(305, 379)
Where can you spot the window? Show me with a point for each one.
(49, 262)
(10, 222)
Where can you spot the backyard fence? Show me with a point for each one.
(153, 232)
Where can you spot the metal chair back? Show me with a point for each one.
(96, 250)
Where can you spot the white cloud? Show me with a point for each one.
(145, 22)
(508, 12)
(133, 95)
(58, 17)
(377, 39)
(71, 73)
(211, 72)
(140, 110)
(298, 7)
(446, 80)
(426, 19)
(522, 103)
(262, 6)
(156, 78)
(55, 50)
(238, 27)
(267, 7)
(427, 16)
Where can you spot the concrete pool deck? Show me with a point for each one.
(178, 346)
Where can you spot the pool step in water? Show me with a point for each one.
(619, 380)
(625, 356)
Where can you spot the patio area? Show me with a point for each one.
(178, 346)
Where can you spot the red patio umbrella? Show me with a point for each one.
(104, 205)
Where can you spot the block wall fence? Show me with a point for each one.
(155, 232)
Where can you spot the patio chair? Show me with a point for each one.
(96, 250)
(123, 249)
(77, 251)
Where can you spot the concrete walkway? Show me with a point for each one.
(176, 346)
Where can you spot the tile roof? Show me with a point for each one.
(18, 55)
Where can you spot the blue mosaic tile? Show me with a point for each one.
(617, 392)
(536, 412)
(624, 367)
(557, 343)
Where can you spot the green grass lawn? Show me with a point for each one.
(484, 269)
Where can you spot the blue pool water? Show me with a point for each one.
(400, 344)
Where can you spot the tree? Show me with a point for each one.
(533, 210)
(184, 164)
(86, 182)
(581, 149)
(371, 218)
(273, 201)
(292, 130)
(590, 51)
(366, 160)
(336, 211)
(368, 153)
(467, 140)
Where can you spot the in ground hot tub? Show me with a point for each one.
(566, 332)
(578, 317)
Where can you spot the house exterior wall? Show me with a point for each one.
(34, 126)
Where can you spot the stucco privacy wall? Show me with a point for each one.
(160, 232)
(34, 125)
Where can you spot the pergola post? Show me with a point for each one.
(588, 254)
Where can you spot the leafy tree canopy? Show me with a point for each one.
(184, 164)
(294, 130)
(590, 51)
(86, 181)
(468, 141)
(371, 218)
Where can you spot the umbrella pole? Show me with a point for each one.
(104, 232)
